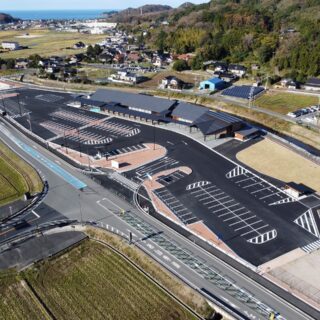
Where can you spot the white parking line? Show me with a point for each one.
(254, 230)
(260, 190)
(251, 185)
(35, 214)
(269, 195)
(248, 225)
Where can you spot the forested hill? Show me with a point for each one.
(282, 35)
(6, 18)
(132, 15)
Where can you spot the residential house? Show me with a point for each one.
(21, 63)
(119, 58)
(226, 76)
(126, 77)
(237, 69)
(185, 57)
(134, 56)
(172, 83)
(220, 66)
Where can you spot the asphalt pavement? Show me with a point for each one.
(96, 203)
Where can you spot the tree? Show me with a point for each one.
(197, 62)
(161, 41)
(180, 65)
(34, 61)
(265, 53)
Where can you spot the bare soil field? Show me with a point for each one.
(278, 162)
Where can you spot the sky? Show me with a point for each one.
(84, 4)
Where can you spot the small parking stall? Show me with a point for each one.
(117, 129)
(56, 128)
(52, 98)
(76, 117)
(179, 210)
(233, 214)
(257, 187)
(171, 178)
(87, 137)
(164, 163)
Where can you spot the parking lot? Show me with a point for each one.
(257, 187)
(184, 214)
(230, 212)
(74, 128)
(244, 215)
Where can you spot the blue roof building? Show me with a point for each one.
(212, 84)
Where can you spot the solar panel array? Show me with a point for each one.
(242, 91)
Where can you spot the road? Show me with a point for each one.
(97, 204)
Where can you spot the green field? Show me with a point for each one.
(93, 282)
(283, 102)
(46, 43)
(16, 176)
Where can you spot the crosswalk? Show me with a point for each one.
(124, 181)
(311, 247)
(307, 222)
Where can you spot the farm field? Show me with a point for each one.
(283, 102)
(16, 301)
(92, 282)
(284, 164)
(16, 176)
(46, 43)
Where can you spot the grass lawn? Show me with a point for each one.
(16, 176)
(92, 282)
(283, 102)
(46, 43)
(16, 302)
(284, 164)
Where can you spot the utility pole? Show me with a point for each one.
(154, 136)
(19, 105)
(65, 141)
(29, 120)
(80, 208)
(79, 143)
(251, 97)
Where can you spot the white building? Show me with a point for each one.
(125, 77)
(97, 27)
(10, 45)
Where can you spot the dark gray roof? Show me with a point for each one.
(313, 82)
(214, 122)
(133, 100)
(189, 111)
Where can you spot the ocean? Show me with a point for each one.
(57, 14)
